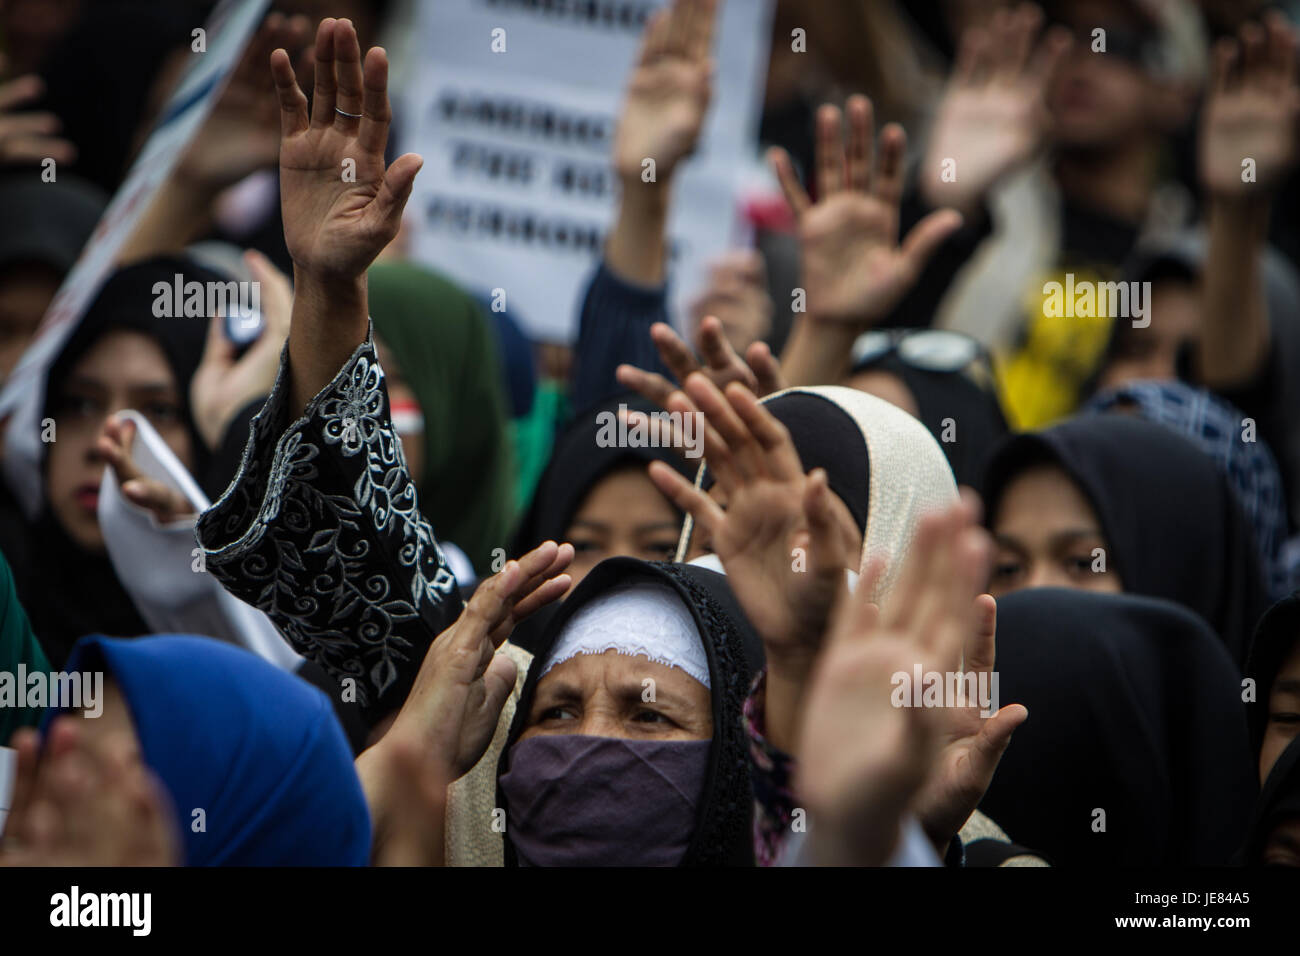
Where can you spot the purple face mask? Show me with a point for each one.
(573, 800)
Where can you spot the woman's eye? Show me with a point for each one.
(1284, 718)
(1079, 565)
(584, 547)
(650, 717)
(1006, 570)
(558, 713)
(661, 550)
(163, 412)
(80, 406)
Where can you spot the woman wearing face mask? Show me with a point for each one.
(627, 747)
(1111, 504)
(1137, 752)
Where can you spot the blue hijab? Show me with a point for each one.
(257, 749)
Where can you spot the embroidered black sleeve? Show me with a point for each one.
(321, 530)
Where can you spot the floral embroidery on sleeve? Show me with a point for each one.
(321, 530)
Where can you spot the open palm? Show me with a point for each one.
(668, 94)
(340, 206)
(1252, 110)
(854, 268)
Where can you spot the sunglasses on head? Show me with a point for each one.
(932, 350)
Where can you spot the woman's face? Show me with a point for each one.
(1283, 713)
(1048, 536)
(123, 370)
(616, 695)
(623, 514)
(400, 394)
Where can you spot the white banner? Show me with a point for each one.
(228, 31)
(517, 191)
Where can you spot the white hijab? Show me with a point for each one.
(910, 477)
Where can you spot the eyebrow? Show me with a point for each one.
(1288, 685)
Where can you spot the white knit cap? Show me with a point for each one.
(642, 619)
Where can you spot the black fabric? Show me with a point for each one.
(1275, 637)
(976, 412)
(577, 464)
(1172, 526)
(1134, 709)
(826, 436)
(724, 830)
(1279, 802)
(224, 464)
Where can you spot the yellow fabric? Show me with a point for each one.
(1041, 379)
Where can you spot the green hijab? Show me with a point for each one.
(448, 356)
(18, 646)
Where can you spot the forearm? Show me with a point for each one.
(817, 353)
(1234, 340)
(637, 246)
(330, 319)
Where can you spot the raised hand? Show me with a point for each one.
(340, 204)
(240, 135)
(463, 683)
(863, 760)
(737, 296)
(778, 538)
(758, 371)
(1252, 109)
(448, 719)
(28, 138)
(113, 445)
(225, 381)
(668, 94)
(86, 803)
(993, 116)
(854, 269)
(972, 743)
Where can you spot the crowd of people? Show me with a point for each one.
(991, 557)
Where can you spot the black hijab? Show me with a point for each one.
(577, 463)
(67, 590)
(1173, 528)
(1275, 638)
(1134, 709)
(975, 410)
(1279, 801)
(723, 833)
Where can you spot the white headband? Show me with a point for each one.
(644, 619)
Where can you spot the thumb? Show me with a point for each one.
(218, 351)
(396, 189)
(928, 235)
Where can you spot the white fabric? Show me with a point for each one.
(910, 477)
(155, 562)
(643, 619)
